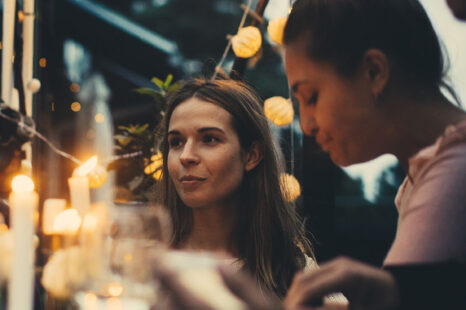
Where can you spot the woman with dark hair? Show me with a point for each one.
(369, 76)
(221, 183)
(370, 79)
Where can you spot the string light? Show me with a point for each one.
(246, 42)
(275, 29)
(218, 68)
(155, 167)
(279, 110)
(290, 187)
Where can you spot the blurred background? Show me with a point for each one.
(91, 55)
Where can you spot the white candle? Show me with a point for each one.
(52, 207)
(79, 186)
(9, 9)
(66, 225)
(67, 222)
(23, 202)
(28, 51)
(79, 194)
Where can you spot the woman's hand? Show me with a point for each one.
(245, 289)
(178, 297)
(364, 286)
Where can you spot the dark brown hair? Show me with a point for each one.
(269, 235)
(341, 31)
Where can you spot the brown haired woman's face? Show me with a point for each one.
(339, 111)
(205, 161)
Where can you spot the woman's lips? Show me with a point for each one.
(191, 180)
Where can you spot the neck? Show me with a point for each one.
(418, 121)
(213, 230)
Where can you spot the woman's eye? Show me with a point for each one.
(210, 139)
(312, 100)
(174, 142)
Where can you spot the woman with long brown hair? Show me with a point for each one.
(221, 182)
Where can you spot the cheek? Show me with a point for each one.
(230, 168)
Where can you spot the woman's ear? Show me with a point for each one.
(377, 69)
(253, 157)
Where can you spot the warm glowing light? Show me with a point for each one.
(115, 289)
(74, 87)
(1, 45)
(90, 222)
(127, 258)
(20, 16)
(87, 167)
(43, 62)
(157, 175)
(275, 29)
(90, 301)
(22, 184)
(290, 187)
(75, 106)
(3, 228)
(156, 163)
(113, 303)
(279, 110)
(52, 207)
(67, 222)
(246, 42)
(99, 118)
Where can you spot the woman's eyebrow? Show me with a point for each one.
(295, 87)
(204, 129)
(173, 132)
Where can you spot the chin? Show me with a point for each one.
(193, 204)
(345, 161)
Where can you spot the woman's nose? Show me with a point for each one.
(308, 122)
(188, 155)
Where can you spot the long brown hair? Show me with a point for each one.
(270, 238)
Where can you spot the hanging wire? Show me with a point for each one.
(227, 48)
(62, 153)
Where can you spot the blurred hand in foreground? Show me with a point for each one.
(364, 286)
(175, 296)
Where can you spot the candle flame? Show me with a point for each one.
(22, 184)
(67, 221)
(87, 167)
(115, 289)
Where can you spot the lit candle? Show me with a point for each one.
(113, 303)
(79, 186)
(67, 222)
(90, 236)
(66, 226)
(9, 9)
(90, 302)
(28, 52)
(52, 207)
(23, 202)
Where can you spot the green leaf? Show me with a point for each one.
(145, 91)
(168, 81)
(123, 128)
(123, 140)
(157, 82)
(141, 129)
(173, 88)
